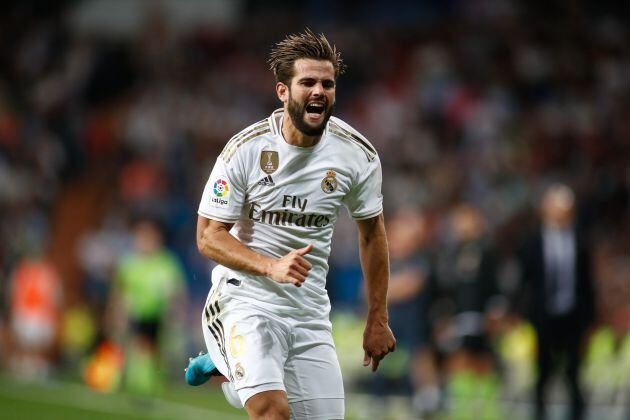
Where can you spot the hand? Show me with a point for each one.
(378, 340)
(292, 268)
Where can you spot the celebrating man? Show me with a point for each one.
(266, 217)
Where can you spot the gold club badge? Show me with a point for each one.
(237, 343)
(329, 183)
(269, 161)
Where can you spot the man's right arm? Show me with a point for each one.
(215, 242)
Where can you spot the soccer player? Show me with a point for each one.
(266, 217)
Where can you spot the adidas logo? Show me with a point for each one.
(267, 181)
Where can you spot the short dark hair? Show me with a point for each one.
(142, 217)
(303, 45)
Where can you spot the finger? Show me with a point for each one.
(375, 363)
(366, 359)
(300, 269)
(305, 250)
(296, 275)
(304, 263)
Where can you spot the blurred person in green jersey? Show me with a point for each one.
(148, 288)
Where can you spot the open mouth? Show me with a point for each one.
(315, 108)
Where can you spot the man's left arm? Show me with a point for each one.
(378, 339)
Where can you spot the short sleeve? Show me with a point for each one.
(224, 193)
(365, 199)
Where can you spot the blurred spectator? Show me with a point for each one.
(556, 270)
(467, 286)
(36, 301)
(98, 253)
(77, 335)
(607, 362)
(408, 233)
(148, 289)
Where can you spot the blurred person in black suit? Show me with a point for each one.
(560, 299)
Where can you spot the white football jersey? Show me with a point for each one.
(282, 197)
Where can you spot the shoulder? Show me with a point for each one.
(244, 138)
(352, 137)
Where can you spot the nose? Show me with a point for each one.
(318, 89)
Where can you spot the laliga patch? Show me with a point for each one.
(220, 193)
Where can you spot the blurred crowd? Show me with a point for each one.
(480, 112)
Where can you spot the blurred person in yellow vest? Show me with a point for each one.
(148, 289)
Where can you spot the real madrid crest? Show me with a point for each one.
(269, 161)
(239, 372)
(329, 183)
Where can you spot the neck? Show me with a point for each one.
(295, 137)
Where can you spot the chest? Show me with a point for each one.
(301, 183)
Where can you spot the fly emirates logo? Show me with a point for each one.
(294, 214)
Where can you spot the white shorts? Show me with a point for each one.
(258, 351)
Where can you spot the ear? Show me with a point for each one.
(282, 91)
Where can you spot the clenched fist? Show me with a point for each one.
(378, 341)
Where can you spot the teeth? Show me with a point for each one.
(315, 107)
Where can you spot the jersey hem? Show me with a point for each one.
(369, 215)
(271, 310)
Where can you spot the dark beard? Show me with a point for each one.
(297, 111)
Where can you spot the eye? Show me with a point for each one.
(328, 84)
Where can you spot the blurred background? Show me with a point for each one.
(503, 127)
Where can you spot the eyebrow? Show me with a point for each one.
(314, 79)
